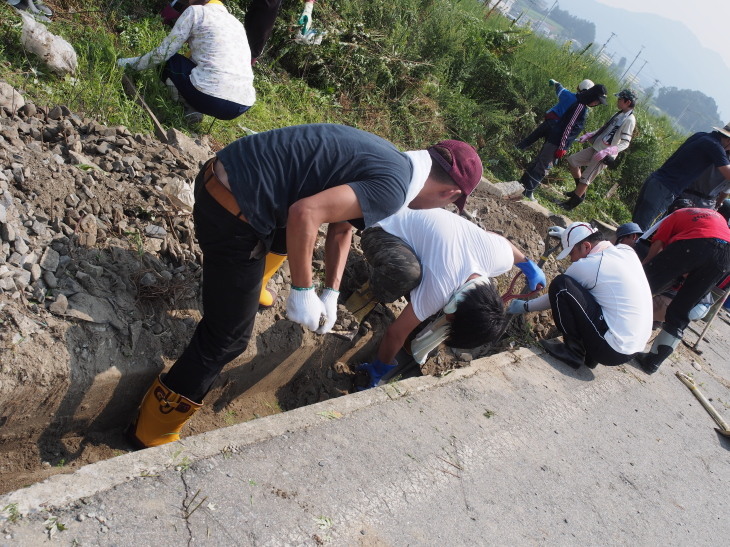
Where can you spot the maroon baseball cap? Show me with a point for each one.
(465, 168)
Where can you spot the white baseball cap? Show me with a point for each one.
(585, 84)
(575, 233)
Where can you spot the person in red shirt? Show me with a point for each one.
(692, 242)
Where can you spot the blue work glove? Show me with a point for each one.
(304, 307)
(517, 307)
(533, 273)
(329, 299)
(376, 370)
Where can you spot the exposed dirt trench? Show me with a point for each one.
(111, 297)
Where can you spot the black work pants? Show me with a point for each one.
(233, 264)
(540, 132)
(538, 168)
(580, 317)
(705, 261)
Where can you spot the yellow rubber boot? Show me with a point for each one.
(162, 415)
(273, 263)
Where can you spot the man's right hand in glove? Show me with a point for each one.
(553, 82)
(560, 153)
(376, 370)
(303, 306)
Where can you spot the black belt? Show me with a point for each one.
(698, 194)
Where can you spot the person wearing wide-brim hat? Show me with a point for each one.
(601, 304)
(628, 234)
(694, 155)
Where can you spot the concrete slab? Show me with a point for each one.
(514, 449)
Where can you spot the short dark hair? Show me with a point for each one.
(438, 173)
(479, 318)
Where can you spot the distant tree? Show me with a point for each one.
(621, 63)
(578, 29)
(692, 109)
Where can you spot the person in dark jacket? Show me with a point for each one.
(561, 136)
(678, 173)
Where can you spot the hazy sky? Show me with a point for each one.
(662, 57)
(707, 19)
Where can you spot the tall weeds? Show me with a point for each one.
(413, 71)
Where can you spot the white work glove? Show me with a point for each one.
(556, 231)
(517, 307)
(584, 138)
(329, 300)
(122, 63)
(304, 307)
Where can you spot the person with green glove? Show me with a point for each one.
(560, 138)
(566, 99)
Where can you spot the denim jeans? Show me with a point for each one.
(654, 198)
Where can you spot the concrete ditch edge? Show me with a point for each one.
(61, 490)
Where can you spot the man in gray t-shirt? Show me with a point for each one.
(296, 177)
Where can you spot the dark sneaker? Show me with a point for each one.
(563, 352)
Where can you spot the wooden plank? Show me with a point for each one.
(612, 191)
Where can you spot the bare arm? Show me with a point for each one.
(518, 255)
(656, 248)
(336, 248)
(305, 217)
(397, 334)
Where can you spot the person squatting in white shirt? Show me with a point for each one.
(217, 79)
(602, 303)
(434, 255)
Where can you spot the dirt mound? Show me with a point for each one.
(99, 292)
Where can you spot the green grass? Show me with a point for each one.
(412, 71)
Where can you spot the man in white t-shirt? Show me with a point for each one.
(602, 304)
(435, 255)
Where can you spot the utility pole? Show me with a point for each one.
(605, 44)
(546, 15)
(636, 76)
(632, 64)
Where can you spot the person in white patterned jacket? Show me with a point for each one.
(217, 79)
